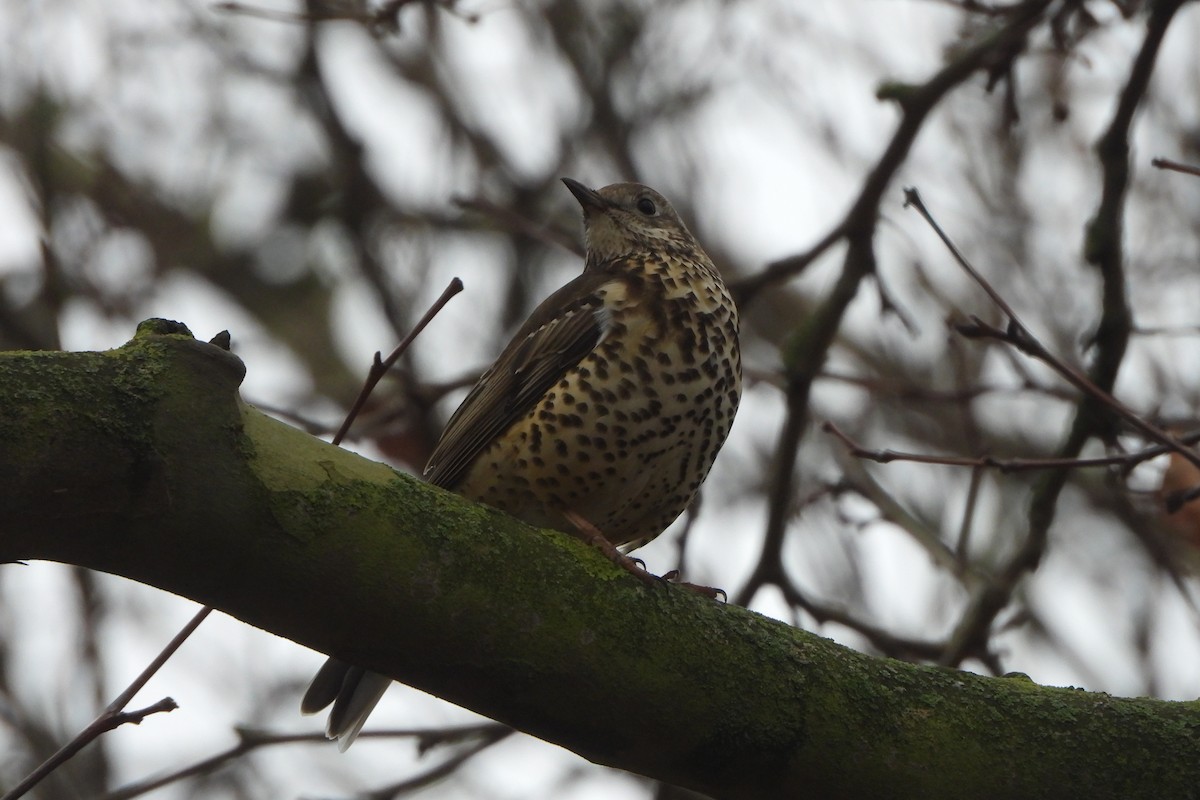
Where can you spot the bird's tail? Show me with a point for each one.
(353, 691)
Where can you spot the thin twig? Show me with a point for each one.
(999, 464)
(1165, 330)
(925, 394)
(114, 715)
(379, 367)
(856, 476)
(323, 13)
(1175, 166)
(912, 199)
(962, 547)
(250, 740)
(1017, 334)
(439, 771)
(784, 269)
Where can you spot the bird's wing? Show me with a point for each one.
(560, 332)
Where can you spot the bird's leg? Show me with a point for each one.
(635, 566)
(592, 535)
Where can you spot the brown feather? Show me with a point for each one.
(560, 332)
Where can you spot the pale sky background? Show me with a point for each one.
(774, 182)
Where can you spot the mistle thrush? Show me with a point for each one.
(604, 413)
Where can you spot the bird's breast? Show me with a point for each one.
(626, 436)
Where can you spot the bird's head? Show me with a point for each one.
(627, 218)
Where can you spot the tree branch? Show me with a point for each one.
(1104, 249)
(144, 462)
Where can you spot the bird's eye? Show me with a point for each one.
(646, 206)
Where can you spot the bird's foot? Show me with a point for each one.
(711, 592)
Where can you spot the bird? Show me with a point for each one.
(604, 413)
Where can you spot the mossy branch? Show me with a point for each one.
(144, 462)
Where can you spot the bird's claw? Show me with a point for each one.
(710, 592)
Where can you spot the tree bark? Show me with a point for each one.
(144, 462)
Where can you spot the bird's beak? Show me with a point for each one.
(590, 200)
